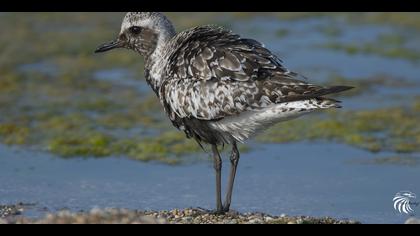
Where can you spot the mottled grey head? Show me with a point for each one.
(142, 32)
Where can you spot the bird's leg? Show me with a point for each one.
(218, 168)
(234, 159)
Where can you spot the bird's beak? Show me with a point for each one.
(109, 46)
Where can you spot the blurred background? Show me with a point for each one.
(79, 130)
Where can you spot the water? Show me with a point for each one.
(316, 179)
(41, 67)
(122, 77)
(296, 179)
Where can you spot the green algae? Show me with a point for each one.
(375, 49)
(397, 160)
(330, 31)
(13, 133)
(77, 117)
(81, 145)
(281, 33)
(400, 19)
(392, 39)
(368, 84)
(400, 160)
(388, 129)
(416, 105)
(9, 82)
(169, 148)
(68, 112)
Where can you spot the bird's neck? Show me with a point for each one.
(154, 62)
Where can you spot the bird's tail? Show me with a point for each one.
(329, 102)
(324, 103)
(318, 93)
(333, 89)
(329, 90)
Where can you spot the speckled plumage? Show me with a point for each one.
(210, 74)
(216, 86)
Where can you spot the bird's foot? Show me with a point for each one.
(218, 212)
(226, 209)
(211, 212)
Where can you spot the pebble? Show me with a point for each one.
(267, 218)
(234, 221)
(10, 210)
(299, 221)
(188, 219)
(176, 216)
(255, 221)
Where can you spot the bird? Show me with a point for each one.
(216, 86)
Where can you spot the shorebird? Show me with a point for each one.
(217, 87)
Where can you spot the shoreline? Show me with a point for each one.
(13, 214)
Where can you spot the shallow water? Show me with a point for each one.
(122, 77)
(310, 178)
(295, 179)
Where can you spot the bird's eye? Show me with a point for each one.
(135, 30)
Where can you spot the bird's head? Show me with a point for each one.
(142, 32)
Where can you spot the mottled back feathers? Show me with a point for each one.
(213, 73)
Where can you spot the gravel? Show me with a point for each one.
(11, 210)
(176, 216)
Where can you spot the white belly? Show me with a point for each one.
(247, 124)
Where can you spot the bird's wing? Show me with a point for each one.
(214, 73)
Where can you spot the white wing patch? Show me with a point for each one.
(247, 124)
